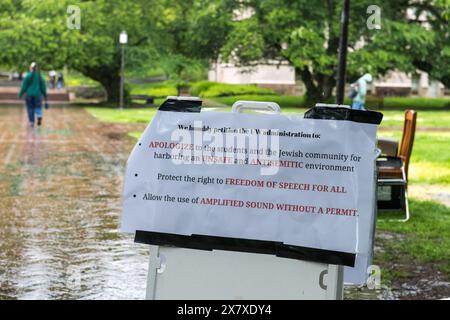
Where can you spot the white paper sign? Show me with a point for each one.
(281, 178)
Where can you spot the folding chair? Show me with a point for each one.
(393, 171)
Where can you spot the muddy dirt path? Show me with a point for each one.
(60, 189)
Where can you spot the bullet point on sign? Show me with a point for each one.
(134, 196)
(135, 174)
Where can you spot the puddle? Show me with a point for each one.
(60, 209)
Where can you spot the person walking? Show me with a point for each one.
(33, 86)
(360, 91)
(60, 83)
(52, 75)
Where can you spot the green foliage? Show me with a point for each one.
(190, 34)
(389, 104)
(245, 42)
(38, 31)
(416, 103)
(307, 48)
(182, 70)
(159, 90)
(222, 90)
(307, 35)
(26, 36)
(75, 79)
(287, 103)
(176, 37)
(216, 89)
(199, 87)
(437, 57)
(407, 41)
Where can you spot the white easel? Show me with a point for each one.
(178, 273)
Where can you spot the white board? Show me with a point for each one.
(181, 274)
(311, 205)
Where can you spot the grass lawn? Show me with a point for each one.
(114, 115)
(394, 103)
(430, 160)
(425, 238)
(431, 119)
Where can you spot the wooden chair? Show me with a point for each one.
(393, 171)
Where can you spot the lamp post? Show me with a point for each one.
(340, 85)
(123, 39)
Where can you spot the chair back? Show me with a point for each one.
(409, 129)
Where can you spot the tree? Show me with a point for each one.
(25, 38)
(179, 36)
(307, 35)
(38, 31)
(194, 32)
(436, 61)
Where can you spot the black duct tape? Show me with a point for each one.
(201, 242)
(181, 105)
(331, 113)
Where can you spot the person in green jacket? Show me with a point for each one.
(34, 87)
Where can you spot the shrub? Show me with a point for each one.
(217, 89)
(199, 87)
(75, 79)
(283, 101)
(161, 89)
(373, 103)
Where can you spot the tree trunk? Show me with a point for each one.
(112, 88)
(312, 97)
(326, 87)
(110, 80)
(312, 94)
(319, 91)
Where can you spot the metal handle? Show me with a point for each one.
(240, 105)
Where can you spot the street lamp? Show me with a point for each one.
(123, 39)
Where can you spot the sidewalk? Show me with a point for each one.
(60, 205)
(9, 95)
